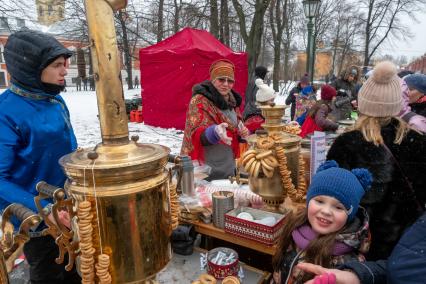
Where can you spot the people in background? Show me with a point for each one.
(417, 93)
(35, 132)
(304, 101)
(85, 83)
(395, 155)
(414, 120)
(78, 83)
(346, 87)
(291, 99)
(136, 82)
(332, 230)
(252, 116)
(213, 122)
(317, 116)
(264, 95)
(92, 82)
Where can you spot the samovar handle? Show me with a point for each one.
(63, 235)
(12, 243)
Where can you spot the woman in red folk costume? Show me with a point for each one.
(213, 122)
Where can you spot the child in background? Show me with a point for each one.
(264, 96)
(316, 119)
(304, 101)
(332, 230)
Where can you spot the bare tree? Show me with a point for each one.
(253, 38)
(347, 29)
(122, 17)
(224, 22)
(382, 19)
(290, 28)
(160, 28)
(277, 12)
(177, 8)
(214, 18)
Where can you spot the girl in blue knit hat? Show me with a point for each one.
(332, 230)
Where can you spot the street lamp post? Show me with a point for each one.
(310, 8)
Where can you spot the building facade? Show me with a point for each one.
(50, 11)
(418, 65)
(72, 45)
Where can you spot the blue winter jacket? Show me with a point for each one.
(34, 133)
(407, 263)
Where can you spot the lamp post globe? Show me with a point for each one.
(310, 7)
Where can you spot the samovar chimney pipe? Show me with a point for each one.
(107, 70)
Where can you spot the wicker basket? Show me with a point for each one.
(264, 234)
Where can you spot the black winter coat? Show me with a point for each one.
(291, 100)
(390, 203)
(250, 108)
(342, 107)
(419, 108)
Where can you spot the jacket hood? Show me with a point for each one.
(356, 234)
(207, 90)
(27, 53)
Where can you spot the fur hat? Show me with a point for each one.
(327, 92)
(417, 82)
(381, 94)
(264, 92)
(346, 186)
(222, 68)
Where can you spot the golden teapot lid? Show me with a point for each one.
(117, 160)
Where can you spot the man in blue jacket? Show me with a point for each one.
(35, 132)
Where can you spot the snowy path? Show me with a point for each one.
(83, 109)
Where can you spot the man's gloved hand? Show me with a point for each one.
(220, 130)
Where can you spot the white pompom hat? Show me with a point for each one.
(264, 92)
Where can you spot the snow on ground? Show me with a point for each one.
(84, 118)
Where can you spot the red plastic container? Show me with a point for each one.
(221, 271)
(139, 116)
(133, 115)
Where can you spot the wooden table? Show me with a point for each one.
(212, 231)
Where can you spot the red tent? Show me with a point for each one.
(170, 68)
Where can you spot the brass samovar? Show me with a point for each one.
(273, 161)
(126, 182)
(117, 193)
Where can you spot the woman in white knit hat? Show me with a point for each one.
(394, 154)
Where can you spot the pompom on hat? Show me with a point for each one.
(222, 68)
(381, 94)
(264, 92)
(346, 186)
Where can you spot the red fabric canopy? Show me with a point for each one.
(170, 68)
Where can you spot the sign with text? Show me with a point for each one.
(318, 151)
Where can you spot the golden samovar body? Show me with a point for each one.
(272, 189)
(128, 189)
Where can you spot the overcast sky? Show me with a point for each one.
(412, 48)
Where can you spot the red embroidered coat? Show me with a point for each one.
(201, 114)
